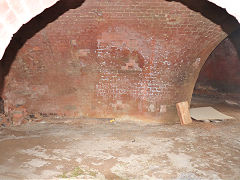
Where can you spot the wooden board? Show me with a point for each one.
(183, 112)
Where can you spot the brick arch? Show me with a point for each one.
(16, 13)
(220, 73)
(223, 23)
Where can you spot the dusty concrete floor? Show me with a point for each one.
(101, 149)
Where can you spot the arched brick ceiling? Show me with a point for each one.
(15, 13)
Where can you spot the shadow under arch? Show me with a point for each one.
(29, 29)
(235, 39)
(220, 74)
(216, 14)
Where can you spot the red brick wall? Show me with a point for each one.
(221, 72)
(132, 59)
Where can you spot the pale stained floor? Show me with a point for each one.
(100, 149)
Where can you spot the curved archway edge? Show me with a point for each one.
(16, 13)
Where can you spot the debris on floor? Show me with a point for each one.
(230, 102)
(112, 120)
(18, 117)
(4, 120)
(208, 114)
